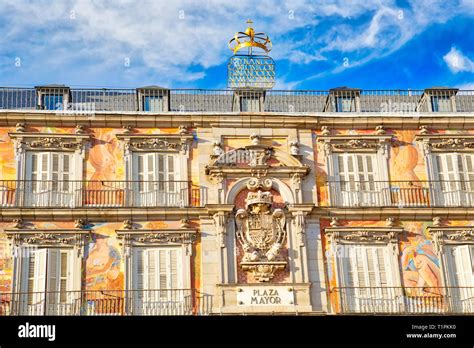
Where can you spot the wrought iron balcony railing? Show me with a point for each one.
(405, 300)
(400, 194)
(65, 100)
(107, 302)
(96, 194)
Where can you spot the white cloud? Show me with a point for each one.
(175, 42)
(457, 61)
(466, 86)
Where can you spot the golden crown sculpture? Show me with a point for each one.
(250, 39)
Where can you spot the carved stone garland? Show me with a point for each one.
(55, 238)
(129, 238)
(450, 235)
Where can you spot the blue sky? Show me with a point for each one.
(183, 44)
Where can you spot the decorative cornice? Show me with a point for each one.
(156, 142)
(445, 142)
(363, 235)
(49, 141)
(451, 235)
(157, 236)
(53, 237)
(356, 143)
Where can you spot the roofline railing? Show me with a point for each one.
(66, 100)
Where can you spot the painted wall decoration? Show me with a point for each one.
(104, 267)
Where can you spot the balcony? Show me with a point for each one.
(401, 194)
(154, 99)
(408, 300)
(100, 194)
(106, 302)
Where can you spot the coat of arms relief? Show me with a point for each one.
(261, 232)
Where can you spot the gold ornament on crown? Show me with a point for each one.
(249, 38)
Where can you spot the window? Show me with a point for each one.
(456, 178)
(48, 176)
(52, 101)
(460, 274)
(46, 281)
(249, 103)
(157, 281)
(366, 277)
(357, 180)
(156, 177)
(153, 103)
(345, 104)
(440, 103)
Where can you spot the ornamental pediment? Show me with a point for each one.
(53, 237)
(49, 141)
(356, 143)
(162, 236)
(363, 235)
(445, 142)
(156, 142)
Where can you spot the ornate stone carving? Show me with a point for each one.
(424, 130)
(296, 180)
(127, 225)
(18, 223)
(334, 222)
(263, 272)
(261, 232)
(300, 226)
(445, 142)
(258, 156)
(294, 148)
(363, 143)
(80, 129)
(184, 223)
(451, 235)
(155, 142)
(20, 127)
(259, 173)
(380, 130)
(437, 221)
(325, 131)
(56, 238)
(255, 138)
(217, 178)
(80, 223)
(217, 149)
(183, 130)
(127, 129)
(220, 225)
(368, 235)
(143, 237)
(47, 141)
(356, 144)
(259, 183)
(390, 222)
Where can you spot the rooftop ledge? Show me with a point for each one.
(156, 100)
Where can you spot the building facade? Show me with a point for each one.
(153, 201)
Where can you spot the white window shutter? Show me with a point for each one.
(462, 273)
(138, 275)
(40, 270)
(53, 269)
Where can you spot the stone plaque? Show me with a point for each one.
(265, 296)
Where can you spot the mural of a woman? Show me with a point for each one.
(420, 266)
